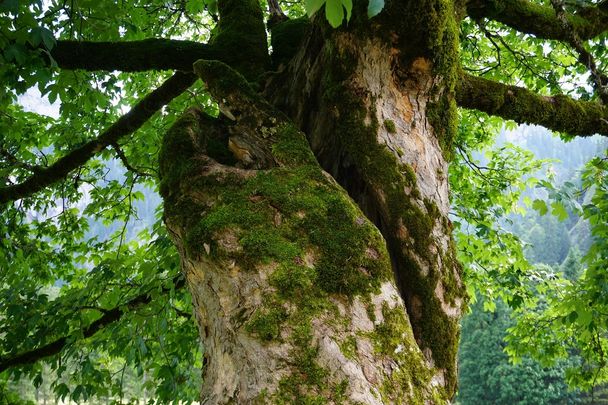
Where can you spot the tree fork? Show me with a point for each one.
(241, 37)
(292, 286)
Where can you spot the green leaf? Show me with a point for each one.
(211, 6)
(77, 393)
(47, 38)
(312, 6)
(348, 5)
(16, 52)
(559, 210)
(62, 391)
(374, 7)
(489, 306)
(37, 380)
(42, 35)
(540, 206)
(334, 12)
(35, 36)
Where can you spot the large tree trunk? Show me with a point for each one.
(306, 290)
(375, 118)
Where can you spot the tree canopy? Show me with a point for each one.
(93, 291)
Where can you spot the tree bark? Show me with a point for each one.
(335, 286)
(292, 285)
(379, 121)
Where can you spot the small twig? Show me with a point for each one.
(129, 212)
(12, 159)
(600, 80)
(123, 158)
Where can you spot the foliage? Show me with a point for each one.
(7, 397)
(484, 194)
(579, 306)
(337, 10)
(556, 315)
(80, 250)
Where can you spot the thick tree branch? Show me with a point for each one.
(108, 317)
(241, 37)
(558, 113)
(125, 125)
(540, 20)
(239, 42)
(131, 56)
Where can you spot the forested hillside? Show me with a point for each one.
(487, 375)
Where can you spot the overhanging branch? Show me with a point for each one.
(131, 56)
(540, 20)
(240, 41)
(57, 345)
(559, 113)
(125, 125)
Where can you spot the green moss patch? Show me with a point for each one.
(409, 380)
(390, 126)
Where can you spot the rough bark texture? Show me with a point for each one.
(307, 292)
(376, 120)
(292, 286)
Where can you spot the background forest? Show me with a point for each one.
(486, 373)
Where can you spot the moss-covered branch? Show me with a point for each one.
(125, 125)
(558, 113)
(131, 56)
(240, 41)
(541, 20)
(241, 38)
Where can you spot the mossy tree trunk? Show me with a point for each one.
(312, 218)
(379, 115)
